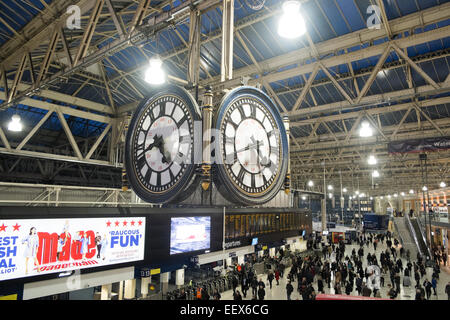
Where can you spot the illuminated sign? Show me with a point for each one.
(32, 247)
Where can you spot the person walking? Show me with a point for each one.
(277, 277)
(254, 285)
(261, 293)
(289, 290)
(427, 285)
(434, 285)
(447, 290)
(237, 295)
(270, 277)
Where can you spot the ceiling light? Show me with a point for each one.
(381, 197)
(310, 183)
(330, 187)
(155, 74)
(389, 196)
(350, 197)
(344, 190)
(372, 160)
(442, 185)
(371, 198)
(366, 130)
(357, 192)
(15, 124)
(402, 194)
(291, 25)
(330, 195)
(303, 198)
(375, 174)
(395, 195)
(411, 191)
(424, 188)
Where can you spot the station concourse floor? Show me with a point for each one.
(278, 292)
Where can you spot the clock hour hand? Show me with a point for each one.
(260, 144)
(165, 155)
(157, 140)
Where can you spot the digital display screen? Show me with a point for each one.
(254, 241)
(31, 247)
(190, 234)
(304, 233)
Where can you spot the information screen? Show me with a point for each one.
(189, 234)
(32, 247)
(254, 241)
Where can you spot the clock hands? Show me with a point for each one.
(258, 145)
(158, 142)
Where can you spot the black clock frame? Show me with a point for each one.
(220, 177)
(188, 178)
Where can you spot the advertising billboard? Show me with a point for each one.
(32, 247)
(189, 234)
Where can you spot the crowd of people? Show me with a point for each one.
(363, 272)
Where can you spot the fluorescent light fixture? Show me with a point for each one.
(330, 187)
(366, 130)
(411, 191)
(310, 183)
(442, 184)
(15, 124)
(357, 192)
(291, 24)
(395, 195)
(372, 160)
(375, 174)
(155, 74)
(402, 194)
(371, 198)
(344, 190)
(389, 196)
(381, 197)
(303, 198)
(424, 188)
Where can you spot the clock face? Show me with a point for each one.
(160, 146)
(251, 148)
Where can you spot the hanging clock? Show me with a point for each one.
(251, 152)
(160, 143)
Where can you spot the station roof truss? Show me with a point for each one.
(75, 87)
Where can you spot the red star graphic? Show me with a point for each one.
(140, 222)
(108, 224)
(125, 223)
(16, 227)
(117, 223)
(3, 228)
(132, 223)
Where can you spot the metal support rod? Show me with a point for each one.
(227, 40)
(207, 111)
(287, 181)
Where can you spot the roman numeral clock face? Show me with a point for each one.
(251, 147)
(159, 147)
